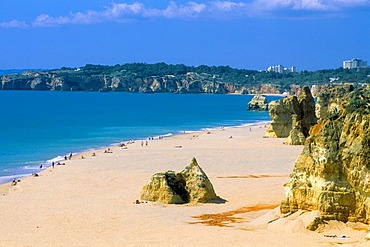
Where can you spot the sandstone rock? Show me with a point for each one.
(164, 187)
(329, 100)
(191, 185)
(322, 104)
(307, 115)
(332, 173)
(293, 117)
(282, 112)
(296, 136)
(258, 103)
(197, 184)
(315, 224)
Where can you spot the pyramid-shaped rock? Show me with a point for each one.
(191, 185)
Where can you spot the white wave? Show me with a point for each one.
(189, 131)
(165, 135)
(253, 124)
(30, 167)
(56, 159)
(9, 178)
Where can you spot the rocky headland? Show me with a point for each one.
(332, 173)
(187, 83)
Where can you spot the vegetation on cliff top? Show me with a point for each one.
(225, 73)
(359, 102)
(243, 80)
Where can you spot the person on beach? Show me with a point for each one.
(52, 164)
(14, 182)
(70, 156)
(146, 143)
(142, 143)
(40, 166)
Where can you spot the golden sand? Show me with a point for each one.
(90, 201)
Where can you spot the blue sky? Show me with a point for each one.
(254, 34)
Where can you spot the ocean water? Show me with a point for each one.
(41, 127)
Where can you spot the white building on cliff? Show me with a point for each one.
(354, 63)
(281, 69)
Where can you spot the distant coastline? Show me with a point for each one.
(179, 78)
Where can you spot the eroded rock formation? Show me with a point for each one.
(292, 117)
(328, 100)
(284, 113)
(191, 185)
(332, 174)
(258, 103)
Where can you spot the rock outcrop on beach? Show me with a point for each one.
(332, 174)
(258, 103)
(191, 185)
(283, 113)
(292, 117)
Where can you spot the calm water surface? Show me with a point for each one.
(36, 127)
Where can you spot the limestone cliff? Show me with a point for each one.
(292, 117)
(72, 81)
(328, 100)
(258, 103)
(191, 185)
(332, 174)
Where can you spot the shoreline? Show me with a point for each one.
(90, 201)
(7, 179)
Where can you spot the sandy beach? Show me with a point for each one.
(90, 202)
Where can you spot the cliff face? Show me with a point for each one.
(188, 83)
(292, 117)
(332, 174)
(284, 113)
(328, 100)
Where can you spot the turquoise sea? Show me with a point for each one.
(42, 126)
